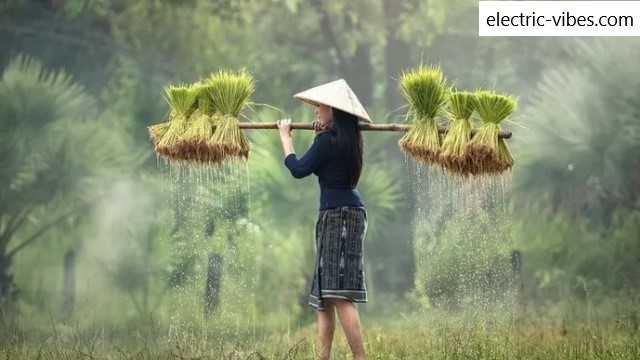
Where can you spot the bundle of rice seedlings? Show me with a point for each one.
(157, 131)
(453, 156)
(488, 153)
(229, 140)
(230, 94)
(505, 157)
(181, 99)
(426, 90)
(195, 144)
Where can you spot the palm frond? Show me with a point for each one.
(581, 139)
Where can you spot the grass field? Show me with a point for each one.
(614, 340)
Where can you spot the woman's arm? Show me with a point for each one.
(285, 136)
(306, 165)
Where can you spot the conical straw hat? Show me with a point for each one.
(336, 94)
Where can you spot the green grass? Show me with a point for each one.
(411, 341)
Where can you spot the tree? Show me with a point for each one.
(583, 125)
(57, 155)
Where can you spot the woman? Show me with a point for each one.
(336, 157)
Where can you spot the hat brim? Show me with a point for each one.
(316, 103)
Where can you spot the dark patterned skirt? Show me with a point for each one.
(339, 264)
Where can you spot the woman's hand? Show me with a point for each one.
(284, 125)
(319, 127)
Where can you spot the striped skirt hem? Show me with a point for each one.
(354, 296)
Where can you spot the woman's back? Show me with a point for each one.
(325, 160)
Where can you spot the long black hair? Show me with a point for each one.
(346, 135)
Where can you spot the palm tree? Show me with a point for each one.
(57, 156)
(583, 129)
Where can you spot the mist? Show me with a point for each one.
(104, 245)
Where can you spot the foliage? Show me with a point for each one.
(575, 153)
(565, 258)
(422, 21)
(57, 154)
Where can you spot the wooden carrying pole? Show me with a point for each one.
(364, 127)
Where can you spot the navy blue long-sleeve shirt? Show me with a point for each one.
(324, 160)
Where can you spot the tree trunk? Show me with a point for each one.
(518, 283)
(330, 37)
(397, 53)
(361, 75)
(6, 280)
(214, 282)
(69, 284)
(8, 291)
(359, 71)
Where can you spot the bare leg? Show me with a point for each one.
(350, 320)
(326, 327)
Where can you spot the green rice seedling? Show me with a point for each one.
(195, 144)
(181, 99)
(230, 94)
(453, 156)
(229, 141)
(505, 157)
(488, 153)
(157, 131)
(426, 90)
